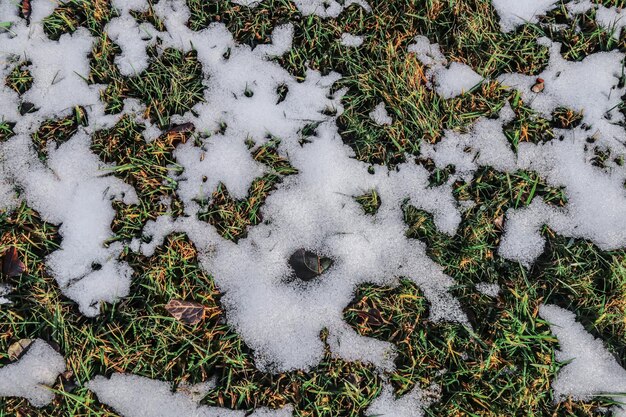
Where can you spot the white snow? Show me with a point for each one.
(455, 80)
(250, 99)
(612, 19)
(514, 13)
(448, 81)
(322, 8)
(412, 404)
(589, 86)
(488, 289)
(350, 40)
(380, 116)
(591, 369)
(33, 374)
(136, 396)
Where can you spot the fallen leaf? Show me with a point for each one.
(182, 128)
(12, 266)
(499, 221)
(26, 10)
(187, 312)
(308, 265)
(539, 86)
(16, 350)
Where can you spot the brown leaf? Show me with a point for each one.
(187, 312)
(17, 349)
(182, 128)
(499, 221)
(27, 10)
(12, 266)
(538, 87)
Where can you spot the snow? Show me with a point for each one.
(4, 290)
(350, 40)
(590, 368)
(448, 81)
(455, 80)
(33, 374)
(589, 86)
(73, 190)
(412, 404)
(488, 289)
(514, 13)
(132, 39)
(380, 116)
(136, 396)
(316, 210)
(245, 105)
(321, 8)
(612, 19)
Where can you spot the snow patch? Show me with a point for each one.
(591, 370)
(33, 374)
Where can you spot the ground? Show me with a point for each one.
(503, 366)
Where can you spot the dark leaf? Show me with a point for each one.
(308, 265)
(187, 312)
(183, 128)
(26, 10)
(11, 264)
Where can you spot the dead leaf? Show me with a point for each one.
(499, 221)
(27, 10)
(187, 312)
(12, 266)
(182, 128)
(308, 265)
(16, 350)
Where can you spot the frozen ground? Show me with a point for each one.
(252, 119)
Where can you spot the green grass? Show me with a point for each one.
(503, 367)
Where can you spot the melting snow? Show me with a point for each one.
(348, 39)
(380, 116)
(249, 100)
(449, 81)
(591, 370)
(33, 374)
(514, 13)
(136, 396)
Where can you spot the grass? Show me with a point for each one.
(503, 367)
